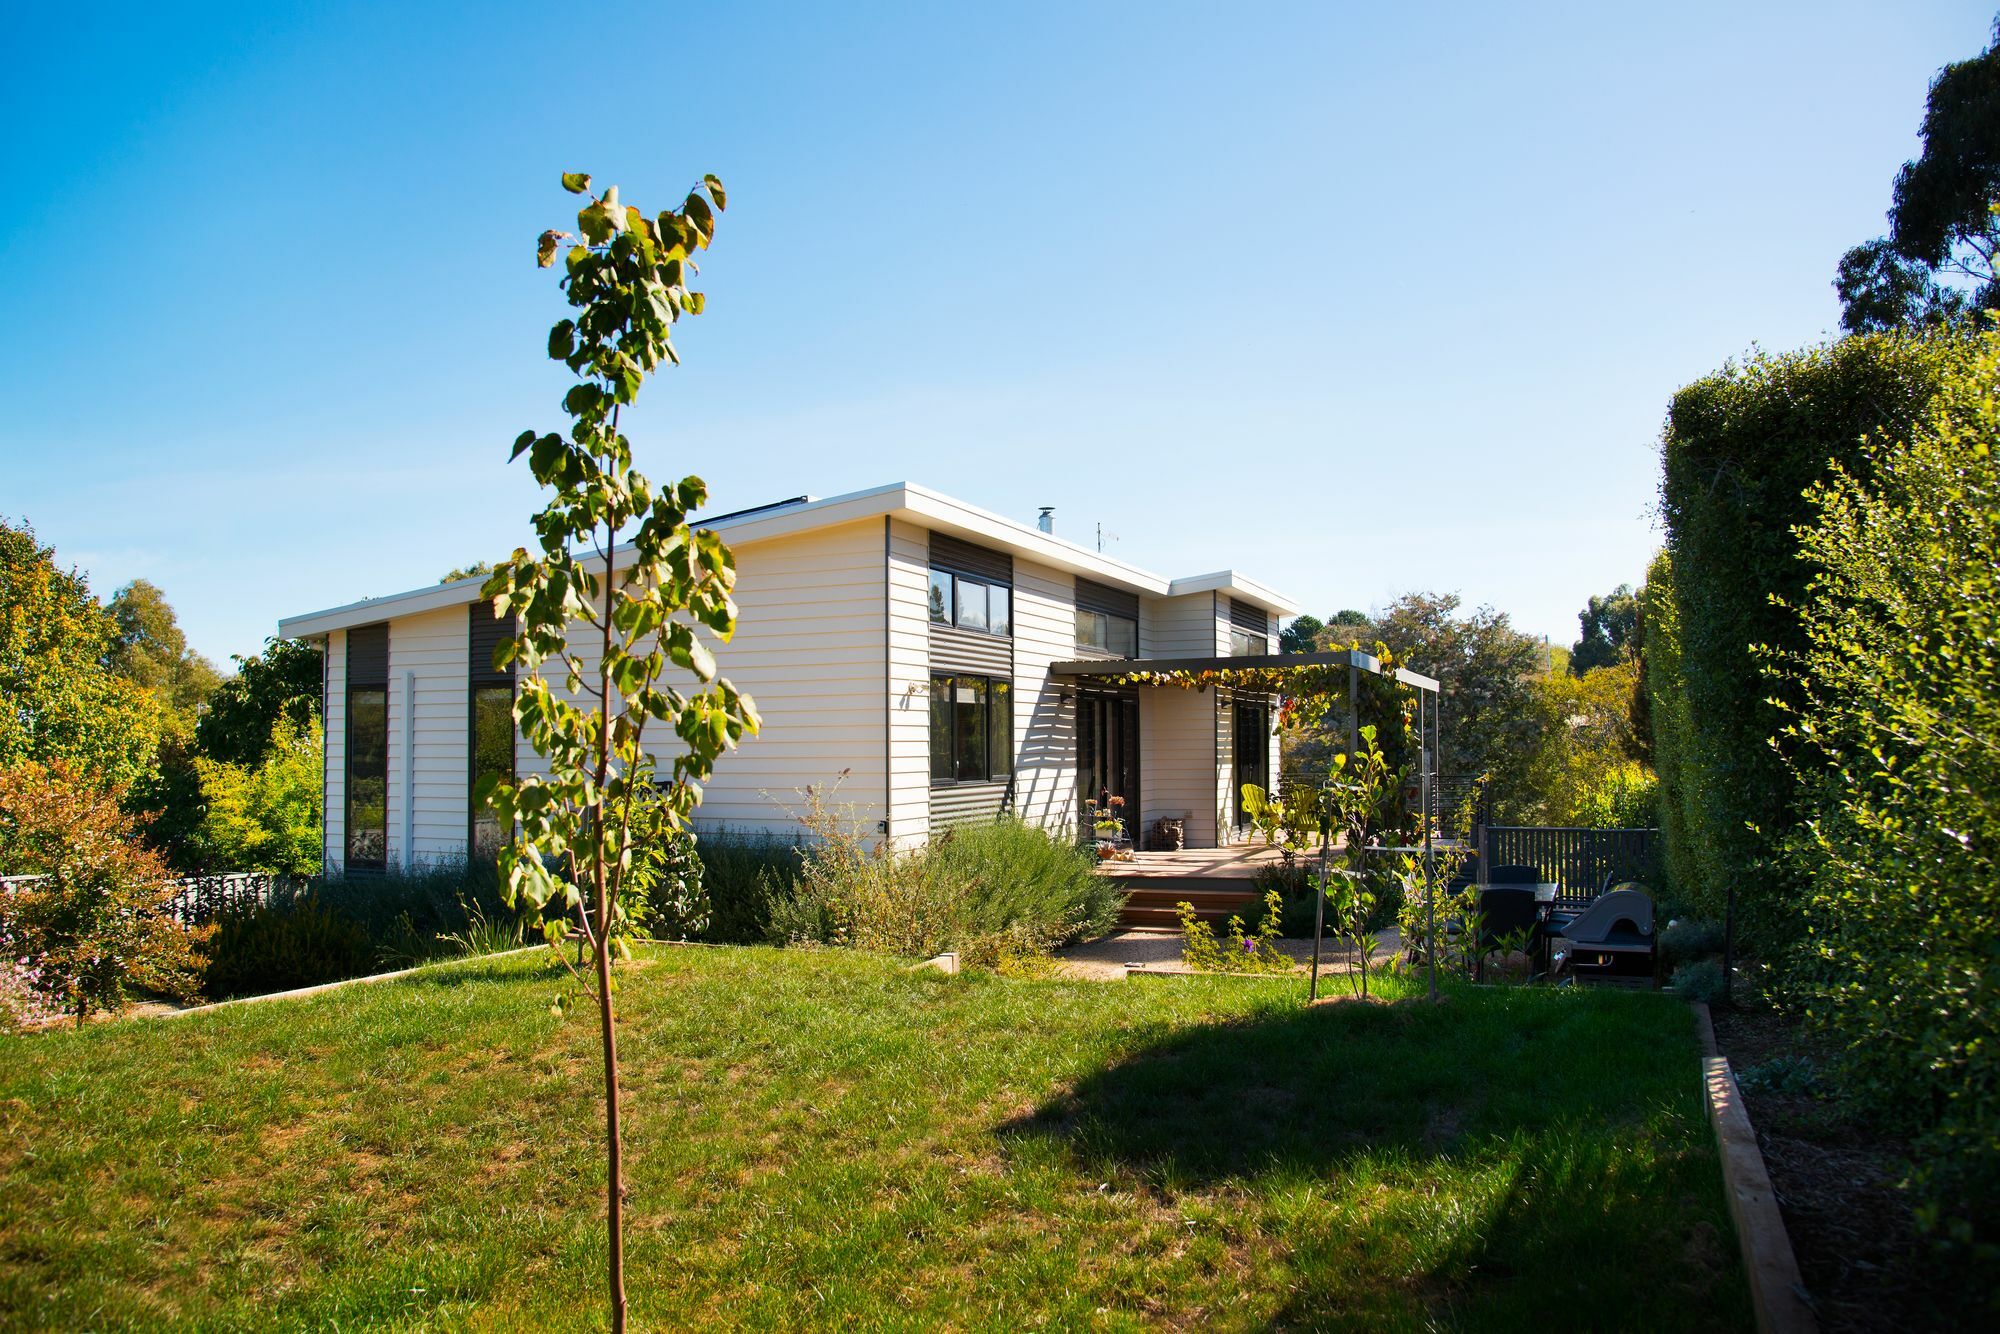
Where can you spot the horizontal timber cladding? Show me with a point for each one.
(971, 651)
(964, 803)
(487, 632)
(368, 655)
(948, 553)
(1092, 596)
(1246, 617)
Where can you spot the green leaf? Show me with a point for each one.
(714, 185)
(545, 248)
(576, 182)
(562, 342)
(700, 218)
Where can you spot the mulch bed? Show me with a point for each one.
(1837, 1182)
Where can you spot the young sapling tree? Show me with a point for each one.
(622, 626)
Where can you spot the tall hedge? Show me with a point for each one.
(1688, 875)
(1741, 450)
(1895, 751)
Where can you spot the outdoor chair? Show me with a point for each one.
(1506, 910)
(1617, 928)
(1515, 875)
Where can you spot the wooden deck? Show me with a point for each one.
(1216, 881)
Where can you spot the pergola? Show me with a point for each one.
(1301, 674)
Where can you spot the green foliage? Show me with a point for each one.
(298, 943)
(1685, 940)
(642, 606)
(1891, 712)
(748, 878)
(1487, 670)
(1302, 635)
(1583, 768)
(1700, 980)
(1942, 223)
(151, 651)
(663, 885)
(59, 700)
(354, 925)
(265, 818)
(477, 569)
(1001, 886)
(1610, 631)
(283, 682)
(1741, 450)
(96, 921)
(645, 609)
(1240, 951)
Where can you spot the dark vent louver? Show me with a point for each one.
(948, 553)
(487, 632)
(1093, 596)
(1246, 617)
(368, 655)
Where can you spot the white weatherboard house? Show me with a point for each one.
(939, 654)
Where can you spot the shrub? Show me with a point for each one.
(1685, 941)
(750, 880)
(1893, 710)
(97, 920)
(352, 925)
(276, 947)
(1016, 873)
(1003, 883)
(662, 895)
(1239, 951)
(1700, 980)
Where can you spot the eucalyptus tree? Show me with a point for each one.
(617, 604)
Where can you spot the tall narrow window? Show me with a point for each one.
(999, 730)
(492, 755)
(490, 743)
(368, 775)
(367, 780)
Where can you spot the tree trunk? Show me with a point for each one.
(614, 1155)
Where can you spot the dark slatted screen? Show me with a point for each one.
(1111, 601)
(487, 632)
(1246, 617)
(368, 655)
(948, 553)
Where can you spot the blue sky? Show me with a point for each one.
(1356, 298)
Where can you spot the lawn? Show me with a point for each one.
(821, 1138)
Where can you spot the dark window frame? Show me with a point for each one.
(348, 823)
(950, 618)
(996, 731)
(484, 633)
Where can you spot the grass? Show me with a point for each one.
(823, 1137)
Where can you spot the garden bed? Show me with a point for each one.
(822, 1137)
(1837, 1183)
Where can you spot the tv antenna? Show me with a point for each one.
(1101, 535)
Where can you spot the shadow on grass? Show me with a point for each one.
(469, 969)
(1498, 1160)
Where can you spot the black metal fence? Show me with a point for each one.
(1582, 861)
(198, 899)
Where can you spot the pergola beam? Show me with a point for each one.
(1113, 668)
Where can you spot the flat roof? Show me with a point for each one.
(919, 504)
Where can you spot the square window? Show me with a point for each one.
(1000, 609)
